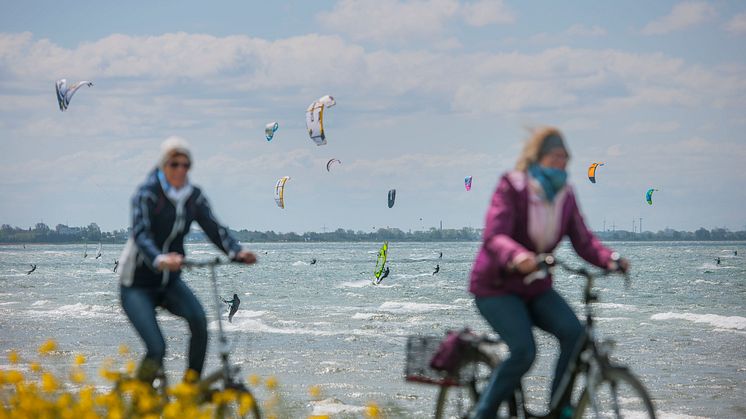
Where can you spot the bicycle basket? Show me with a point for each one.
(420, 351)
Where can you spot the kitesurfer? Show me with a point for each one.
(313, 261)
(116, 265)
(717, 260)
(735, 252)
(234, 306)
(163, 209)
(437, 269)
(441, 255)
(33, 268)
(532, 209)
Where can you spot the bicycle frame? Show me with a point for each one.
(227, 371)
(607, 387)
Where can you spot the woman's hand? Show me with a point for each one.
(527, 264)
(171, 262)
(246, 257)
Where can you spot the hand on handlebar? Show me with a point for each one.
(171, 262)
(527, 265)
(246, 257)
(618, 264)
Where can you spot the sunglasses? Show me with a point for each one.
(175, 165)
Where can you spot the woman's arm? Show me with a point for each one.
(217, 233)
(586, 244)
(499, 226)
(143, 204)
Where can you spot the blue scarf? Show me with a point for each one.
(551, 180)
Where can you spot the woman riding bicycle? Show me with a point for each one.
(532, 209)
(163, 209)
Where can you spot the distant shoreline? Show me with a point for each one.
(373, 241)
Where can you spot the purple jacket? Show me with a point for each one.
(506, 235)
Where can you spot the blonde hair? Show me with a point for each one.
(532, 147)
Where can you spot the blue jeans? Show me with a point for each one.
(513, 318)
(139, 304)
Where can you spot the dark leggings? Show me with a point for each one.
(139, 304)
(513, 318)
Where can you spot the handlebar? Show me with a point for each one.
(547, 262)
(189, 263)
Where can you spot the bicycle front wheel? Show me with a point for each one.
(619, 395)
(456, 402)
(236, 402)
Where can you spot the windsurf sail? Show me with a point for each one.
(315, 118)
(392, 197)
(270, 129)
(99, 251)
(280, 191)
(592, 171)
(381, 262)
(85, 250)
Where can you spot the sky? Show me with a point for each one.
(427, 91)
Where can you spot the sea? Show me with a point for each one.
(680, 324)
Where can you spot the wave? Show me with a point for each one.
(615, 306)
(257, 326)
(333, 407)
(720, 322)
(406, 307)
(84, 311)
(355, 284)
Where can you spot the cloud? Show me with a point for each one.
(737, 24)
(653, 127)
(236, 82)
(381, 20)
(394, 20)
(682, 16)
(487, 12)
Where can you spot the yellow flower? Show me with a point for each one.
(48, 382)
(77, 375)
(315, 391)
(64, 401)
(35, 367)
(123, 350)
(79, 359)
(372, 411)
(319, 417)
(130, 367)
(271, 383)
(255, 380)
(13, 357)
(13, 377)
(47, 347)
(245, 404)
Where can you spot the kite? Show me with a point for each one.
(270, 129)
(329, 164)
(315, 118)
(467, 183)
(649, 196)
(280, 191)
(392, 197)
(65, 93)
(592, 171)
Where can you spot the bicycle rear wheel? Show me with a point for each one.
(457, 402)
(619, 395)
(240, 404)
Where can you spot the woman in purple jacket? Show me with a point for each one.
(531, 211)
